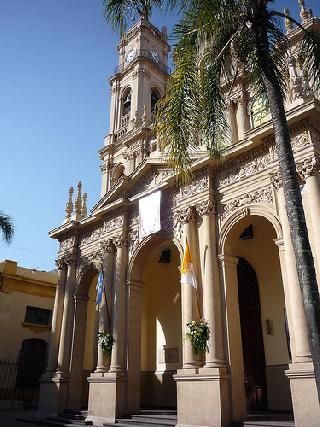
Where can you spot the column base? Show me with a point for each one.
(203, 397)
(306, 408)
(107, 397)
(53, 394)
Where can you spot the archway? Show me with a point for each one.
(84, 349)
(155, 338)
(252, 337)
(256, 323)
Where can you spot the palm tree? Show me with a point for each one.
(216, 40)
(6, 227)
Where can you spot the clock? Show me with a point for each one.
(130, 56)
(154, 55)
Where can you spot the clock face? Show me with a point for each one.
(154, 55)
(130, 56)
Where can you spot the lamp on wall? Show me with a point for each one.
(165, 257)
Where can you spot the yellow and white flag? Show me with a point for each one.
(188, 276)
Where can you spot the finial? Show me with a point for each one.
(304, 13)
(78, 201)
(69, 206)
(287, 22)
(84, 205)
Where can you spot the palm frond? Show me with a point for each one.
(119, 12)
(6, 226)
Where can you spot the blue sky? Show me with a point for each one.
(56, 57)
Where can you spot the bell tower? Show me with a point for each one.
(138, 83)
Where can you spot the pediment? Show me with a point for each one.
(148, 176)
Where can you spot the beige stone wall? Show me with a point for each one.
(12, 314)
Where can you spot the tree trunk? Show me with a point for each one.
(292, 194)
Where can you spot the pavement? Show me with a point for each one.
(8, 418)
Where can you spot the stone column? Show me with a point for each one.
(233, 122)
(304, 396)
(302, 348)
(212, 302)
(308, 170)
(243, 116)
(67, 320)
(118, 362)
(105, 308)
(57, 315)
(188, 294)
(233, 329)
(78, 348)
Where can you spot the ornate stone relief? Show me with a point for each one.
(262, 195)
(109, 226)
(206, 207)
(67, 244)
(152, 179)
(199, 184)
(308, 167)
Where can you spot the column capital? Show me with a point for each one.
(206, 207)
(308, 167)
(121, 241)
(60, 263)
(276, 180)
(107, 247)
(71, 259)
(188, 214)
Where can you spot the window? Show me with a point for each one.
(126, 103)
(155, 96)
(37, 316)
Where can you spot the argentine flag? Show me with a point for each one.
(99, 288)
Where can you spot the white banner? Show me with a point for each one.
(149, 214)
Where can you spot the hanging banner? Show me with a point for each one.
(149, 214)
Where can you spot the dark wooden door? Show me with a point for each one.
(252, 338)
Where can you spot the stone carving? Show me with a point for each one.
(188, 214)
(107, 246)
(152, 179)
(262, 195)
(67, 244)
(60, 263)
(133, 241)
(69, 205)
(109, 226)
(121, 240)
(198, 185)
(206, 207)
(308, 167)
(275, 179)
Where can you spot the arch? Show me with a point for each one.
(142, 252)
(126, 101)
(253, 210)
(155, 96)
(85, 275)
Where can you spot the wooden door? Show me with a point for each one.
(252, 338)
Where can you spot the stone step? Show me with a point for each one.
(70, 420)
(268, 423)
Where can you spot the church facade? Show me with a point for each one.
(233, 215)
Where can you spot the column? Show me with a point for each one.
(188, 294)
(67, 320)
(78, 348)
(120, 306)
(57, 315)
(299, 325)
(309, 173)
(105, 308)
(243, 117)
(211, 286)
(233, 329)
(233, 122)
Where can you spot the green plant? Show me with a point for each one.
(198, 334)
(106, 341)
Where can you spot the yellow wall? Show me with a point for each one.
(161, 309)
